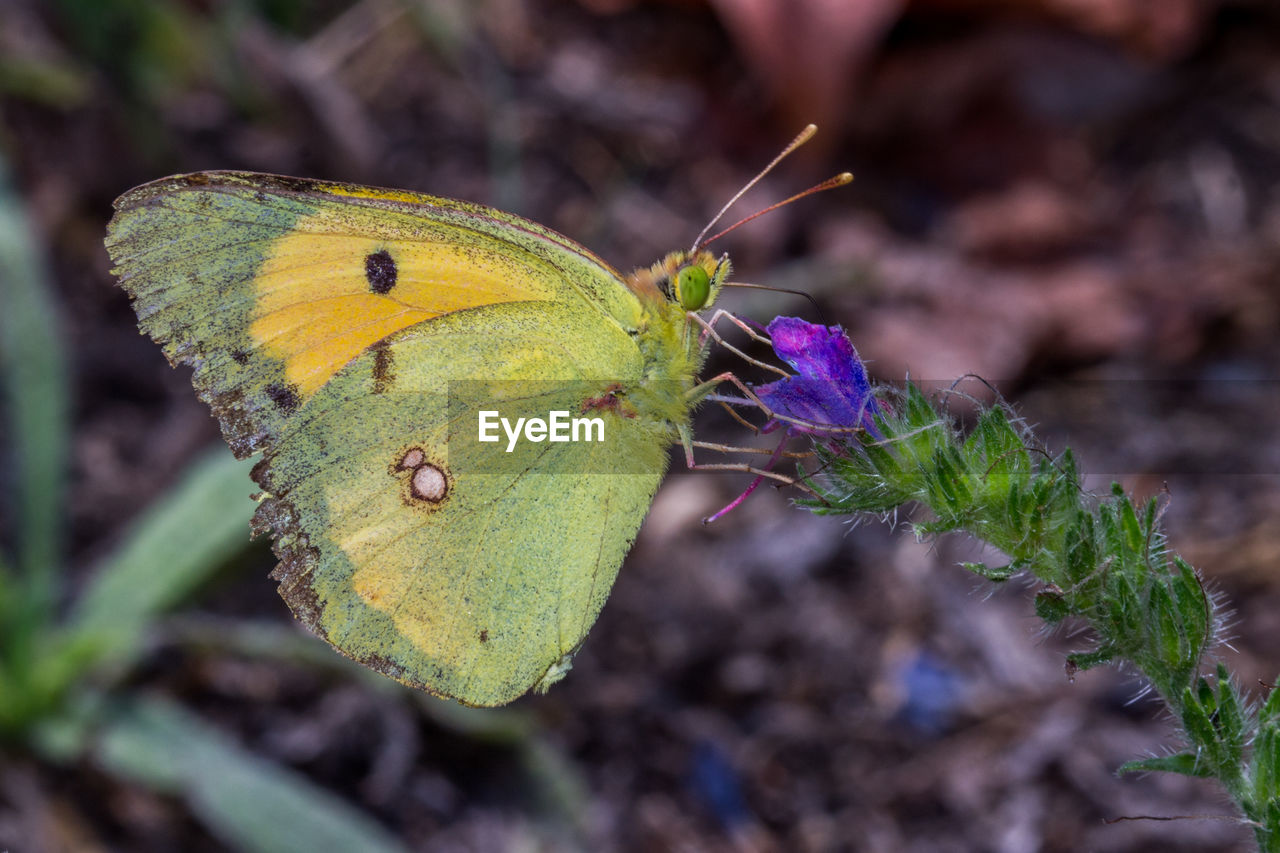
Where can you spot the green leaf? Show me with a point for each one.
(247, 802)
(916, 408)
(890, 473)
(180, 542)
(1186, 763)
(1206, 696)
(1266, 764)
(1051, 606)
(1132, 529)
(1036, 504)
(1124, 611)
(33, 373)
(1068, 471)
(1166, 630)
(1199, 726)
(997, 574)
(1230, 722)
(941, 480)
(1082, 557)
(1192, 603)
(1013, 515)
(1088, 660)
(1001, 443)
(1109, 528)
(1271, 708)
(1268, 835)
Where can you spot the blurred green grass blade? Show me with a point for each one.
(293, 647)
(154, 47)
(52, 82)
(177, 545)
(8, 595)
(33, 374)
(558, 786)
(247, 802)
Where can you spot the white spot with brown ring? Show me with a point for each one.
(429, 483)
(412, 459)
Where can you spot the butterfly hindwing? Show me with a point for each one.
(466, 570)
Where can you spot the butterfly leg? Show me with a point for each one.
(784, 479)
(758, 451)
(762, 474)
(736, 502)
(767, 472)
(709, 331)
(702, 391)
(733, 413)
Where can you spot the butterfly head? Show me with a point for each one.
(688, 280)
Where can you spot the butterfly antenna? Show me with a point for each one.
(829, 184)
(801, 138)
(806, 295)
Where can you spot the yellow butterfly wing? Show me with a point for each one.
(353, 335)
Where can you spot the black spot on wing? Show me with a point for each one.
(284, 396)
(380, 270)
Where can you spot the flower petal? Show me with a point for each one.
(832, 387)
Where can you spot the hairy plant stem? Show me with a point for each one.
(1099, 559)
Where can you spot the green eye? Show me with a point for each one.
(693, 286)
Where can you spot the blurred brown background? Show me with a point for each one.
(1079, 198)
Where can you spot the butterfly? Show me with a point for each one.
(357, 338)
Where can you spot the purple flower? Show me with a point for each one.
(831, 387)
